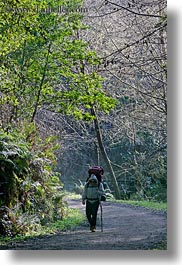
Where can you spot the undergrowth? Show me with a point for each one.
(72, 218)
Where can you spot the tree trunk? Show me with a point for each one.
(41, 84)
(97, 153)
(105, 156)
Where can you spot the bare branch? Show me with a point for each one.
(134, 12)
(137, 41)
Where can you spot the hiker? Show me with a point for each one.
(93, 193)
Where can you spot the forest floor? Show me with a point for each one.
(125, 227)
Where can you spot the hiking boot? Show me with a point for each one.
(92, 228)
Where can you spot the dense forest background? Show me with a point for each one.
(82, 83)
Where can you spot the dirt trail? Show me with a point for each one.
(125, 227)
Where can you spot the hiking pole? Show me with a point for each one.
(101, 217)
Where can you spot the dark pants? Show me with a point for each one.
(91, 212)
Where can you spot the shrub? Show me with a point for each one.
(31, 193)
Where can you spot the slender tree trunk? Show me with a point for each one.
(41, 84)
(105, 156)
(97, 153)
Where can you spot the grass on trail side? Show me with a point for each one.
(73, 219)
(147, 204)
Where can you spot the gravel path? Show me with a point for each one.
(125, 227)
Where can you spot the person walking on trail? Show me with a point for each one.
(92, 194)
